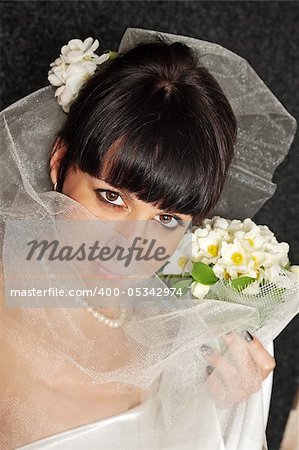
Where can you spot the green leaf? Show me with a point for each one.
(203, 273)
(112, 54)
(161, 274)
(241, 282)
(184, 285)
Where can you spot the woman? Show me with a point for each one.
(145, 148)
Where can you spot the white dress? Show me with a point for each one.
(116, 432)
(119, 431)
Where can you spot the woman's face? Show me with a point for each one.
(131, 216)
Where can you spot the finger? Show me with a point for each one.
(264, 360)
(250, 345)
(224, 378)
(247, 368)
(238, 352)
(217, 361)
(236, 359)
(228, 384)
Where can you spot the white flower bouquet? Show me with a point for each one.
(232, 260)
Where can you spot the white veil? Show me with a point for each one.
(158, 348)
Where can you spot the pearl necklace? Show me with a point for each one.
(112, 323)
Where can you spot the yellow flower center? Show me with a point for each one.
(237, 258)
(182, 261)
(213, 249)
(251, 242)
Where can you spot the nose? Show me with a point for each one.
(132, 228)
(137, 234)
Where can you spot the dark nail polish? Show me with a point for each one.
(247, 336)
(206, 349)
(209, 369)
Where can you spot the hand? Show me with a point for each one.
(240, 371)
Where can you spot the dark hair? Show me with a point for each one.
(153, 121)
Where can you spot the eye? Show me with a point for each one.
(168, 221)
(111, 197)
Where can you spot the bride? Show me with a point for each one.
(143, 149)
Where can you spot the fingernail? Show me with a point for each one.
(209, 369)
(247, 336)
(206, 350)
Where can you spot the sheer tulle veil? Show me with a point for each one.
(158, 348)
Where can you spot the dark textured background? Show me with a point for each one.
(264, 32)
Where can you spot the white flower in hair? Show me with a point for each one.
(76, 64)
(71, 79)
(77, 51)
(294, 270)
